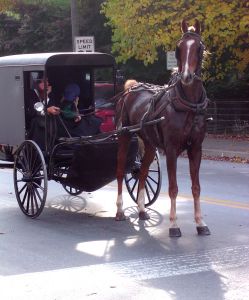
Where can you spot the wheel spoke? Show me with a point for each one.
(20, 171)
(152, 179)
(21, 162)
(35, 199)
(153, 171)
(25, 195)
(28, 201)
(134, 185)
(147, 192)
(26, 163)
(25, 185)
(131, 177)
(32, 200)
(36, 165)
(150, 186)
(39, 196)
(37, 169)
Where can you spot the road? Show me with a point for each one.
(75, 249)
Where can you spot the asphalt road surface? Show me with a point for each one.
(75, 249)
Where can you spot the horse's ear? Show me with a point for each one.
(184, 26)
(197, 27)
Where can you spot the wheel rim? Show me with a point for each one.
(152, 183)
(30, 179)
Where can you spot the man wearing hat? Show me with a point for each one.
(35, 109)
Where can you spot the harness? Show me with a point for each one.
(172, 94)
(162, 97)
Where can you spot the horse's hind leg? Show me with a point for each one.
(174, 230)
(149, 154)
(123, 147)
(194, 155)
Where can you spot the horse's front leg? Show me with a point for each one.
(123, 147)
(171, 160)
(149, 154)
(194, 155)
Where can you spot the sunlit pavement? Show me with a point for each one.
(75, 249)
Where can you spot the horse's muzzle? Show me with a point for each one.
(187, 78)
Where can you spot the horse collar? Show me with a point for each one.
(184, 105)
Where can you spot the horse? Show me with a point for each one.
(182, 104)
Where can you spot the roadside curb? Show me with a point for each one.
(225, 153)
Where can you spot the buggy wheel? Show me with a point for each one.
(30, 179)
(72, 191)
(152, 184)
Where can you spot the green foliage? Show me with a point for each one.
(55, 3)
(6, 5)
(140, 28)
(28, 26)
(35, 27)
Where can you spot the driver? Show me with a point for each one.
(35, 110)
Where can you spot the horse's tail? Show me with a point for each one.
(120, 115)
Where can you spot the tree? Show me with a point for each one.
(6, 5)
(92, 23)
(28, 26)
(141, 27)
(74, 20)
(31, 26)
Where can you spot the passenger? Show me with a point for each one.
(77, 125)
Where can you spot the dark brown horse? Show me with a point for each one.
(182, 104)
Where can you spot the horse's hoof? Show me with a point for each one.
(120, 216)
(143, 215)
(203, 230)
(175, 232)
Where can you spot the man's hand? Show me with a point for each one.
(53, 110)
(77, 119)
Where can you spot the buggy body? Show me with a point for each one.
(84, 163)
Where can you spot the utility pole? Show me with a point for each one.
(74, 20)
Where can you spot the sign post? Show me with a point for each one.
(84, 44)
(171, 60)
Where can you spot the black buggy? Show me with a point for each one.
(84, 163)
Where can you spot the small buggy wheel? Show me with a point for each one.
(72, 191)
(152, 184)
(30, 179)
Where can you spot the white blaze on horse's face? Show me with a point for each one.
(187, 74)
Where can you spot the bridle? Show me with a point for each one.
(197, 73)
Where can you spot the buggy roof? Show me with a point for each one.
(59, 59)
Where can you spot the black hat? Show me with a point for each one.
(40, 76)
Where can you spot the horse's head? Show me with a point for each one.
(189, 52)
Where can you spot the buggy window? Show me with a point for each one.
(103, 86)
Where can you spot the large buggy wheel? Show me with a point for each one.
(152, 183)
(30, 179)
